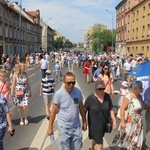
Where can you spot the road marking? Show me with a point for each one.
(41, 141)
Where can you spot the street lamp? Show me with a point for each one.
(112, 27)
(20, 29)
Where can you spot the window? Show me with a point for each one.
(133, 16)
(6, 32)
(137, 15)
(136, 33)
(144, 11)
(149, 9)
(148, 30)
(1, 31)
(143, 31)
(133, 34)
(0, 11)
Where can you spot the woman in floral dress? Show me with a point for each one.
(21, 83)
(130, 131)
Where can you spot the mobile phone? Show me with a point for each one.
(13, 131)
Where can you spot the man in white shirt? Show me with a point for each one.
(44, 65)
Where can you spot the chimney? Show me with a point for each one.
(24, 9)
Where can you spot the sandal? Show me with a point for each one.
(26, 122)
(21, 123)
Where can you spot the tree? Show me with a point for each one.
(101, 38)
(68, 44)
(58, 43)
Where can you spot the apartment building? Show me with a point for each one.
(47, 37)
(19, 32)
(137, 24)
(121, 27)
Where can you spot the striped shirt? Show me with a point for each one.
(48, 85)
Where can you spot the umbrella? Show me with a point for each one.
(141, 70)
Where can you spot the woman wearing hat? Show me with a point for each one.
(99, 108)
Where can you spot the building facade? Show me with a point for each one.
(137, 25)
(19, 32)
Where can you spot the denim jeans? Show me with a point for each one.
(2, 133)
(43, 73)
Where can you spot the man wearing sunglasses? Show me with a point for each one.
(68, 104)
(99, 108)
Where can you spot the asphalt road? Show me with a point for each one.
(33, 136)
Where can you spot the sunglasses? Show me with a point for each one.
(100, 89)
(69, 83)
(106, 68)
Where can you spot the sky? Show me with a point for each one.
(72, 17)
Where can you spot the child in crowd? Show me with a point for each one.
(124, 90)
(58, 70)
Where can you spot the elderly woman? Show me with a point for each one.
(21, 91)
(100, 110)
(5, 117)
(130, 132)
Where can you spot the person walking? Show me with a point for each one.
(130, 131)
(86, 70)
(21, 92)
(47, 90)
(7, 66)
(147, 117)
(107, 77)
(5, 117)
(44, 65)
(67, 104)
(99, 107)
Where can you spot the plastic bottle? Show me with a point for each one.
(52, 139)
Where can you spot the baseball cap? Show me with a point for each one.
(99, 84)
(48, 72)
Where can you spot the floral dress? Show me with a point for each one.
(21, 84)
(132, 136)
(4, 108)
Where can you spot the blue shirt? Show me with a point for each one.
(97, 73)
(68, 113)
(147, 95)
(4, 108)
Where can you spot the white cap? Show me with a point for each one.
(48, 72)
(124, 83)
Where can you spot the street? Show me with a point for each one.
(34, 135)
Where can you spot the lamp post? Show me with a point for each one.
(20, 29)
(112, 27)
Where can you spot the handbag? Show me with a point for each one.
(19, 93)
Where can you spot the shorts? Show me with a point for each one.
(70, 138)
(47, 99)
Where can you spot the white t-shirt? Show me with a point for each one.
(44, 63)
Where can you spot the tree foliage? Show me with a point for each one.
(101, 38)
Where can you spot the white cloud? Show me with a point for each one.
(72, 17)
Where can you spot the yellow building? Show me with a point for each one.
(138, 27)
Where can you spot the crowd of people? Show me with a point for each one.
(68, 103)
